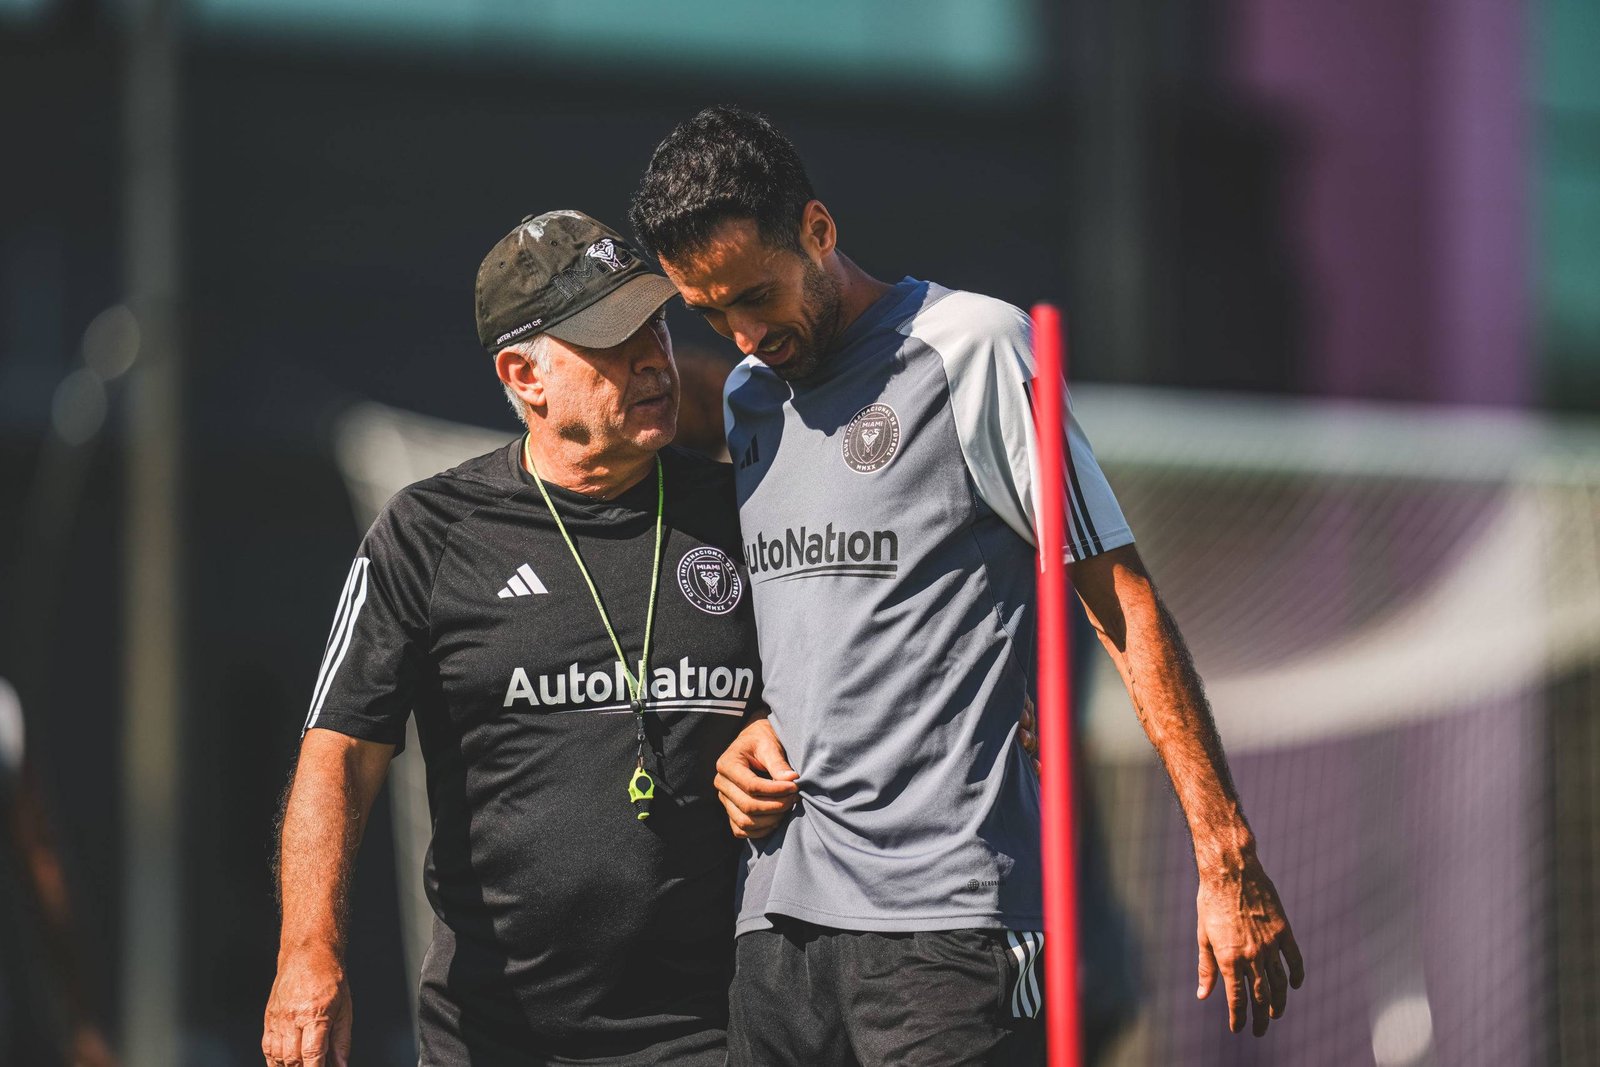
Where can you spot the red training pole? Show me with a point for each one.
(1055, 697)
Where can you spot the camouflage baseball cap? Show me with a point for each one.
(564, 274)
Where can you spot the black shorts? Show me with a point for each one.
(692, 1050)
(813, 996)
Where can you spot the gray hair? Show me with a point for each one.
(536, 351)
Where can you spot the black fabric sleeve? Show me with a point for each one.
(377, 646)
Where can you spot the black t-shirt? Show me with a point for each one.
(565, 926)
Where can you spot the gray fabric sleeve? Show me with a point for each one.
(987, 348)
(736, 377)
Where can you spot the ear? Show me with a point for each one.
(521, 375)
(818, 235)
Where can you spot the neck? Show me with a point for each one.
(858, 290)
(570, 466)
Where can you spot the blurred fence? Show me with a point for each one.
(1397, 614)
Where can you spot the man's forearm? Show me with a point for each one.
(1241, 930)
(307, 1020)
(1167, 695)
(324, 818)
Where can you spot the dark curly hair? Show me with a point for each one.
(725, 163)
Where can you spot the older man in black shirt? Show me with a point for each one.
(568, 618)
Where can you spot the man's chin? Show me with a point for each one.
(798, 367)
(656, 437)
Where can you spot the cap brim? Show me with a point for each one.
(616, 316)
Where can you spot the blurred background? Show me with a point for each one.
(1332, 269)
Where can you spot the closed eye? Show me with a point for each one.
(748, 298)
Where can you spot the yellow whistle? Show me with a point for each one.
(642, 790)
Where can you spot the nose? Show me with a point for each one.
(747, 333)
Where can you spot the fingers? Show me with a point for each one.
(1237, 981)
(748, 825)
(754, 789)
(1208, 971)
(757, 802)
(737, 820)
(741, 766)
(1278, 983)
(287, 1048)
(277, 1046)
(314, 1041)
(1256, 982)
(1027, 730)
(1291, 952)
(288, 1043)
(340, 1038)
(771, 757)
(1260, 998)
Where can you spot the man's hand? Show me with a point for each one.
(1242, 931)
(755, 782)
(308, 1014)
(1028, 733)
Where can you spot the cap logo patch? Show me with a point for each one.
(872, 438)
(709, 580)
(609, 254)
(534, 225)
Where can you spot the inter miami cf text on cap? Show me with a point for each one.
(564, 274)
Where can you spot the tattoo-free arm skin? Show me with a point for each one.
(1241, 929)
(324, 817)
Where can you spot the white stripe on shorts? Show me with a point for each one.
(1026, 947)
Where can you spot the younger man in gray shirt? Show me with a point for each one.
(885, 464)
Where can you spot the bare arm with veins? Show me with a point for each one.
(308, 1014)
(1241, 928)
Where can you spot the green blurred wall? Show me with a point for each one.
(1566, 100)
(980, 46)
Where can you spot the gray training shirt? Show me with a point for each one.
(887, 514)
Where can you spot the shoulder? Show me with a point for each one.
(419, 516)
(750, 377)
(752, 390)
(957, 319)
(976, 336)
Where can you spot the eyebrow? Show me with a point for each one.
(738, 298)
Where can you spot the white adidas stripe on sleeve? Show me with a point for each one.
(344, 625)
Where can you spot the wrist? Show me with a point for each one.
(318, 953)
(1224, 851)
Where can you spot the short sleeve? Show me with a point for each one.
(367, 680)
(987, 347)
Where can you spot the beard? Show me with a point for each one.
(822, 306)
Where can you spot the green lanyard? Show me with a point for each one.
(641, 787)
